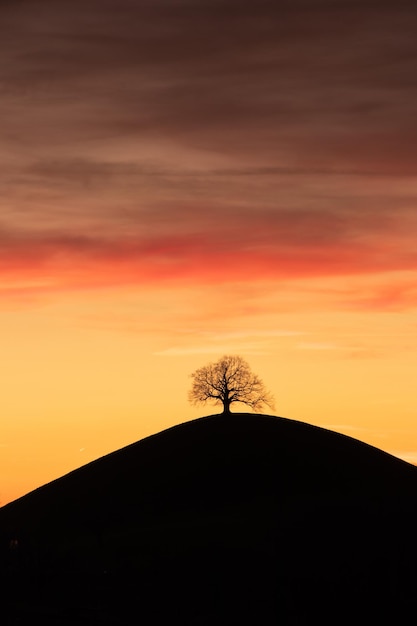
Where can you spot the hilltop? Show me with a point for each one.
(226, 519)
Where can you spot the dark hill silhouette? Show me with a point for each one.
(237, 519)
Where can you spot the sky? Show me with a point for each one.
(184, 179)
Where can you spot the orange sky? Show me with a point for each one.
(185, 180)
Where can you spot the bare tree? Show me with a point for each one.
(229, 380)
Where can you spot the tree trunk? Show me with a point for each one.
(226, 406)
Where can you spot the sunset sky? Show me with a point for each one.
(184, 179)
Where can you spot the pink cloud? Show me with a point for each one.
(273, 250)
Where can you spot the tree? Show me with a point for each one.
(229, 380)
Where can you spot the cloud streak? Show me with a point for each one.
(195, 257)
(148, 142)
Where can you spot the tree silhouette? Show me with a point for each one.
(229, 380)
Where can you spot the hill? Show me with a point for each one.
(245, 519)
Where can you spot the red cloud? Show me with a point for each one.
(79, 262)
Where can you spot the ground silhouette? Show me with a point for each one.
(228, 519)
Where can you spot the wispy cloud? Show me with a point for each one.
(73, 260)
(249, 341)
(287, 150)
(242, 348)
(317, 346)
(264, 334)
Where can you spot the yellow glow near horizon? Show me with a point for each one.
(88, 373)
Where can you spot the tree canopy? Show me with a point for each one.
(229, 380)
